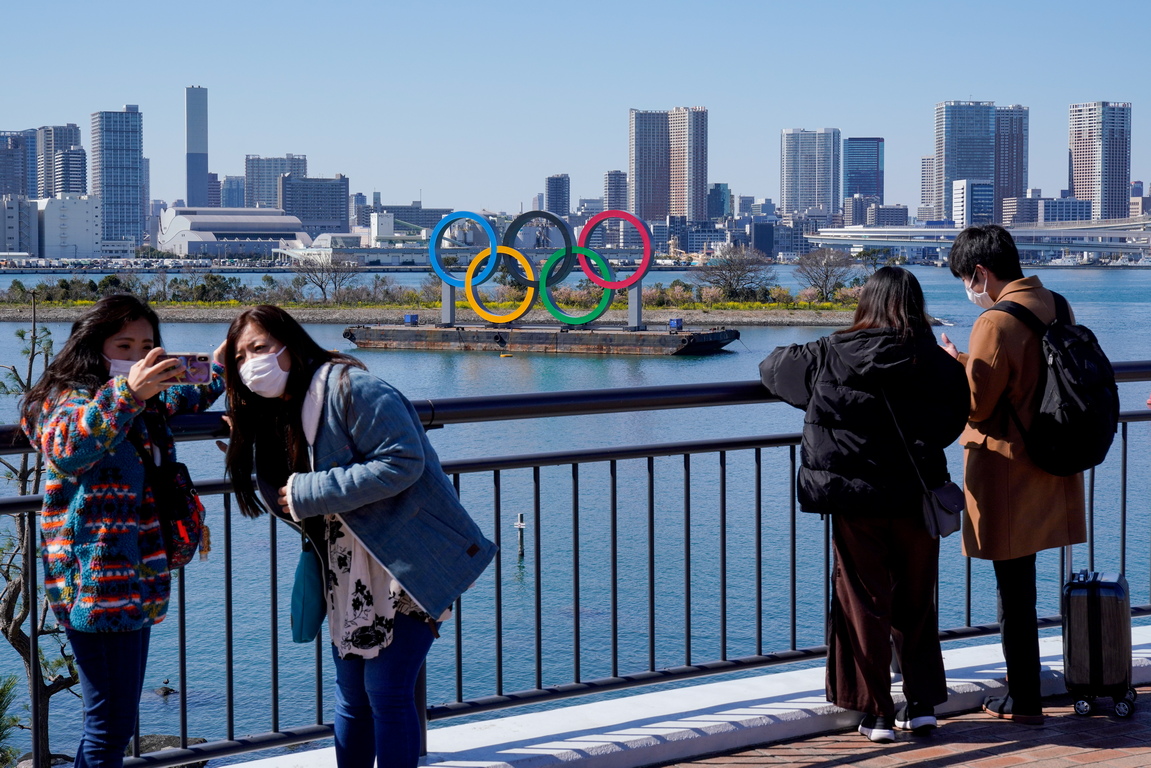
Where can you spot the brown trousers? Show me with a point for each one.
(883, 590)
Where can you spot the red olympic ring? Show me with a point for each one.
(645, 265)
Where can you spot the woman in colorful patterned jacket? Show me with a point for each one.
(343, 455)
(105, 567)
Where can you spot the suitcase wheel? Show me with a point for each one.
(1084, 706)
(1124, 708)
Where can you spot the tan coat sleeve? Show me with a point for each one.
(988, 369)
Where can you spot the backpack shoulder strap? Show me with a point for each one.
(1062, 308)
(1023, 314)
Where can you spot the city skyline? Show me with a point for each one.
(414, 144)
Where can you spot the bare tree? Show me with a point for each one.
(330, 277)
(57, 669)
(739, 271)
(826, 271)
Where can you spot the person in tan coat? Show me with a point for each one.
(1014, 508)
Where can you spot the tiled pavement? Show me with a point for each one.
(975, 739)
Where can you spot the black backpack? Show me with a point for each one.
(1079, 410)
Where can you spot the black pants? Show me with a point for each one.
(1019, 628)
(884, 590)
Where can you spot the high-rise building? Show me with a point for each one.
(1011, 146)
(964, 147)
(863, 168)
(718, 201)
(1099, 142)
(1137, 189)
(356, 202)
(232, 192)
(557, 194)
(196, 146)
(118, 173)
(972, 202)
(743, 205)
(51, 139)
(18, 162)
(70, 171)
(927, 210)
(687, 163)
(615, 191)
(321, 205)
(809, 174)
(886, 215)
(648, 165)
(855, 210)
(1065, 209)
(262, 174)
(213, 190)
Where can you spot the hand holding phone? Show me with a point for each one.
(197, 367)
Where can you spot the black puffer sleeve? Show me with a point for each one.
(789, 372)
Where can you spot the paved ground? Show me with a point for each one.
(975, 739)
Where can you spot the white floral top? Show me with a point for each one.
(363, 597)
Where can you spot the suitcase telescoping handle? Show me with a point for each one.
(1072, 577)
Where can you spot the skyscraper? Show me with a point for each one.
(557, 194)
(196, 145)
(18, 162)
(718, 201)
(213, 190)
(51, 139)
(1011, 131)
(1100, 157)
(232, 192)
(615, 191)
(118, 173)
(321, 205)
(972, 202)
(927, 210)
(964, 147)
(809, 170)
(687, 163)
(863, 168)
(261, 177)
(648, 165)
(70, 171)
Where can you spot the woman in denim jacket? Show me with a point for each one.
(343, 454)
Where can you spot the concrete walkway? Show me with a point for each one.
(787, 711)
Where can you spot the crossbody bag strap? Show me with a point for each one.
(902, 439)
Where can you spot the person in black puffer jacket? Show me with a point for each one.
(855, 468)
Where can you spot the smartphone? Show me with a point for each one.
(197, 367)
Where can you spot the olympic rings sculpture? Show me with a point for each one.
(554, 270)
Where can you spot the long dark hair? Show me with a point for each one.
(892, 298)
(267, 434)
(80, 363)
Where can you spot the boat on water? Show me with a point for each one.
(554, 339)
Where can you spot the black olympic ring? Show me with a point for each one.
(570, 258)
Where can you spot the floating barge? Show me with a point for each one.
(554, 339)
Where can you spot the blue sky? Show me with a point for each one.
(475, 103)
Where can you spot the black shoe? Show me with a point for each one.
(876, 728)
(917, 718)
(1003, 708)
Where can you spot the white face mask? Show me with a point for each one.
(263, 375)
(119, 367)
(981, 299)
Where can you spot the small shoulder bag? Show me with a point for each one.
(178, 503)
(942, 506)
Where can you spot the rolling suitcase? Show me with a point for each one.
(1097, 641)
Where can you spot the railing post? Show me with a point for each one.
(422, 707)
(30, 598)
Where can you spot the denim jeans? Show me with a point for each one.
(376, 716)
(111, 667)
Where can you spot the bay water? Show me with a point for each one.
(1116, 304)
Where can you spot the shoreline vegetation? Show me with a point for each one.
(737, 287)
(169, 312)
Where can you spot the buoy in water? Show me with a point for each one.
(506, 354)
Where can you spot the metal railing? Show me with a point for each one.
(645, 625)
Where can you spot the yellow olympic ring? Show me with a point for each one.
(473, 295)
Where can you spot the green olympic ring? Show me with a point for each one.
(545, 292)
